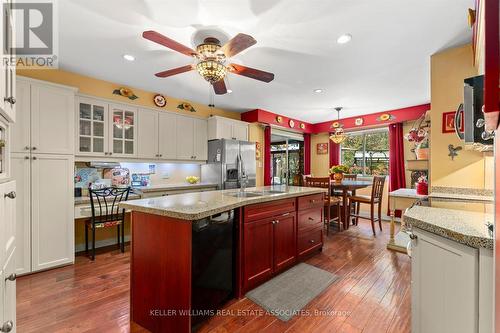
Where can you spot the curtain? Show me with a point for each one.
(397, 177)
(307, 154)
(267, 156)
(334, 153)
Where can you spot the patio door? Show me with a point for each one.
(287, 157)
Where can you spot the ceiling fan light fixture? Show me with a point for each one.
(212, 71)
(345, 38)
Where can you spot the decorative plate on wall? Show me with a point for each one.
(291, 123)
(386, 117)
(358, 121)
(125, 92)
(279, 119)
(160, 100)
(303, 126)
(186, 106)
(335, 124)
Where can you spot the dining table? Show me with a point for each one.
(345, 186)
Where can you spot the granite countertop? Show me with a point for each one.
(464, 227)
(173, 187)
(195, 206)
(86, 199)
(407, 193)
(459, 193)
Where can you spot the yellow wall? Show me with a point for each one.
(319, 163)
(104, 89)
(448, 71)
(256, 134)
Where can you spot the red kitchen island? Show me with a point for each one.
(191, 253)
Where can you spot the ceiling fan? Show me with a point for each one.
(211, 59)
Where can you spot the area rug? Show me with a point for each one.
(286, 294)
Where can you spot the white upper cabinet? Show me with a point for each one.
(52, 119)
(167, 139)
(200, 142)
(21, 129)
(225, 128)
(147, 136)
(123, 130)
(7, 69)
(92, 133)
(185, 138)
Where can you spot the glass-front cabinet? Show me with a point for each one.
(106, 129)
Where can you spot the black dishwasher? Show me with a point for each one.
(213, 265)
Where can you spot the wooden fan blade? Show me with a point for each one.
(237, 44)
(220, 87)
(175, 71)
(252, 73)
(170, 43)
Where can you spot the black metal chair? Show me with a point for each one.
(106, 213)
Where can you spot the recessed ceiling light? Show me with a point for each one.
(229, 91)
(128, 57)
(318, 91)
(344, 39)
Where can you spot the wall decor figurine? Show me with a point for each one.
(322, 148)
(125, 92)
(279, 119)
(186, 106)
(335, 124)
(258, 151)
(386, 117)
(302, 126)
(448, 125)
(453, 151)
(160, 100)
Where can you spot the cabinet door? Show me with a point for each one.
(240, 131)
(200, 148)
(92, 127)
(7, 218)
(21, 164)
(185, 138)
(20, 130)
(52, 211)
(8, 76)
(224, 129)
(147, 134)
(9, 291)
(52, 119)
(257, 252)
(285, 242)
(167, 136)
(123, 131)
(444, 285)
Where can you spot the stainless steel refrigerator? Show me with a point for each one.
(229, 163)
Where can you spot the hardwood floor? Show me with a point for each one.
(372, 294)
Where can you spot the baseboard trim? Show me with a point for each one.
(100, 243)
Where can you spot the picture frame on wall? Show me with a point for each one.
(322, 148)
(449, 122)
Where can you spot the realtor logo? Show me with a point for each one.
(35, 42)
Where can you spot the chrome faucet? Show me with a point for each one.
(243, 175)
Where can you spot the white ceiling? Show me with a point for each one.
(385, 66)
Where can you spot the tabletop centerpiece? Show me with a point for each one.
(338, 172)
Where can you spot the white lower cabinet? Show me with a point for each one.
(445, 281)
(45, 222)
(8, 294)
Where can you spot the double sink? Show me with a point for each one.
(253, 194)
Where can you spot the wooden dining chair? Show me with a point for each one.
(304, 179)
(372, 200)
(330, 201)
(349, 193)
(106, 213)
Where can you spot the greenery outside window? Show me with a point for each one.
(367, 152)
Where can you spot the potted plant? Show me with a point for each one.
(422, 150)
(338, 172)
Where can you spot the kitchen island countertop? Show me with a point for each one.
(195, 206)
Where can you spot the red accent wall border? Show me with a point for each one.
(369, 120)
(491, 56)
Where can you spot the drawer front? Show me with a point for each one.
(268, 209)
(310, 201)
(310, 218)
(310, 241)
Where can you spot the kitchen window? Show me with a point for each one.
(367, 152)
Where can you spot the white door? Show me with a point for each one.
(92, 127)
(9, 289)
(52, 210)
(167, 136)
(444, 285)
(147, 134)
(240, 132)
(21, 165)
(185, 138)
(7, 218)
(123, 130)
(52, 119)
(20, 130)
(200, 148)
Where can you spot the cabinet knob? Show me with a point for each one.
(161, 155)
(26, 157)
(7, 326)
(312, 241)
(10, 100)
(312, 201)
(274, 222)
(11, 277)
(311, 219)
(34, 158)
(10, 195)
(27, 148)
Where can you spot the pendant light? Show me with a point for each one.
(338, 136)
